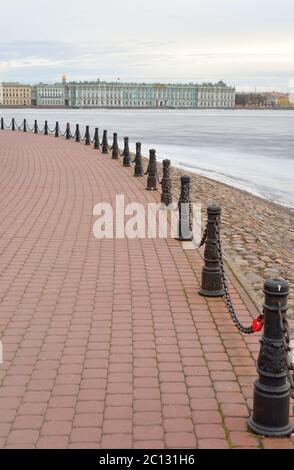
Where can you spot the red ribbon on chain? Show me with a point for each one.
(257, 324)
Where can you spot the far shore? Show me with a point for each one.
(236, 108)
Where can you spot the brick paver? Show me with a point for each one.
(106, 342)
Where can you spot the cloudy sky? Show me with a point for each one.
(249, 43)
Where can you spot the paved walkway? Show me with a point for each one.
(107, 343)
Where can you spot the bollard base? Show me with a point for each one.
(207, 293)
(183, 239)
(211, 284)
(283, 431)
(126, 165)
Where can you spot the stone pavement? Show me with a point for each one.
(106, 342)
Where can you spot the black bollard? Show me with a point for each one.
(184, 205)
(115, 149)
(212, 285)
(96, 139)
(13, 124)
(152, 171)
(57, 130)
(87, 136)
(2, 124)
(67, 131)
(35, 127)
(104, 142)
(25, 125)
(126, 153)
(46, 128)
(78, 135)
(272, 390)
(138, 170)
(166, 185)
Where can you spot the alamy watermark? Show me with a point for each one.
(136, 220)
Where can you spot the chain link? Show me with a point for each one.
(204, 237)
(248, 330)
(287, 349)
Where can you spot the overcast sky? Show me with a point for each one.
(249, 43)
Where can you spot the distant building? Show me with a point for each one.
(100, 94)
(15, 94)
(284, 101)
(48, 95)
(145, 95)
(217, 95)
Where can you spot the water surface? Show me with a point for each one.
(250, 149)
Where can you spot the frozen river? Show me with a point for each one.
(250, 149)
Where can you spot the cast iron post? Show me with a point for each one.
(152, 171)
(138, 170)
(87, 136)
(185, 221)
(12, 124)
(271, 390)
(115, 149)
(96, 139)
(212, 285)
(57, 130)
(25, 125)
(166, 194)
(67, 132)
(78, 135)
(104, 142)
(126, 153)
(46, 128)
(2, 124)
(36, 127)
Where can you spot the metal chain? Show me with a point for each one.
(204, 237)
(287, 349)
(248, 330)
